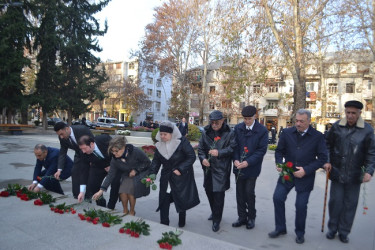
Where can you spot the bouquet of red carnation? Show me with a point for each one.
(94, 216)
(4, 193)
(170, 239)
(213, 146)
(149, 181)
(135, 228)
(62, 208)
(286, 171)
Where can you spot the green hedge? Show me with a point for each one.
(194, 133)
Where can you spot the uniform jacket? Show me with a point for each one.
(136, 160)
(308, 151)
(350, 148)
(256, 141)
(65, 144)
(183, 129)
(50, 164)
(220, 169)
(183, 188)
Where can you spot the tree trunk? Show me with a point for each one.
(373, 68)
(204, 88)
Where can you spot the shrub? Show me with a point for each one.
(153, 135)
(194, 133)
(131, 121)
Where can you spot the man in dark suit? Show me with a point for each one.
(69, 137)
(305, 147)
(183, 126)
(47, 157)
(252, 142)
(93, 173)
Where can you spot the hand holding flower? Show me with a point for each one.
(214, 152)
(81, 197)
(366, 177)
(97, 195)
(206, 163)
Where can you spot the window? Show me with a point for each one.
(226, 104)
(273, 88)
(310, 86)
(291, 89)
(332, 88)
(157, 104)
(331, 107)
(350, 87)
(212, 89)
(158, 93)
(212, 105)
(256, 89)
(272, 105)
(149, 80)
(368, 105)
(149, 92)
(118, 77)
(158, 83)
(369, 85)
(311, 105)
(242, 105)
(118, 66)
(131, 65)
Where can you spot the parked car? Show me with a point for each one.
(126, 124)
(109, 122)
(53, 121)
(90, 124)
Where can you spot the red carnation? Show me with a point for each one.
(128, 231)
(136, 235)
(286, 177)
(105, 224)
(121, 231)
(88, 218)
(289, 164)
(245, 150)
(4, 193)
(217, 138)
(95, 222)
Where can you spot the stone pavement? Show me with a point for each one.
(25, 226)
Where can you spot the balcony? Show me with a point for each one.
(272, 96)
(270, 112)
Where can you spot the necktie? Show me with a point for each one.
(97, 155)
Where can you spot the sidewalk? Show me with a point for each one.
(25, 226)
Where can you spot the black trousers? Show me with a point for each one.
(342, 206)
(245, 195)
(75, 174)
(51, 184)
(164, 211)
(113, 195)
(95, 179)
(216, 200)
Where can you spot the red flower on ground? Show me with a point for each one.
(4, 194)
(106, 224)
(128, 231)
(121, 230)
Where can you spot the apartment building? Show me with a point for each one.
(342, 79)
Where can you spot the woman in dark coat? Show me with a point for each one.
(133, 163)
(177, 183)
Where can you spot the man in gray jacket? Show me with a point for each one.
(351, 161)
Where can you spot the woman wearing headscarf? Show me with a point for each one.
(133, 163)
(177, 184)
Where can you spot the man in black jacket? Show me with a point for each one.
(215, 151)
(93, 173)
(69, 137)
(351, 146)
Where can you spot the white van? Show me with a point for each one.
(108, 122)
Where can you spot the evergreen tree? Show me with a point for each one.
(81, 75)
(14, 39)
(49, 81)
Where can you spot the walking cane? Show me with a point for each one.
(325, 201)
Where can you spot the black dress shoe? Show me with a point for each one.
(215, 226)
(210, 217)
(300, 239)
(275, 234)
(239, 223)
(343, 238)
(250, 224)
(330, 235)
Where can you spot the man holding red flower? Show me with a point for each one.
(305, 148)
(215, 151)
(252, 141)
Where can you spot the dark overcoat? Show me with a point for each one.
(183, 188)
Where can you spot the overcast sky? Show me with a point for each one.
(126, 22)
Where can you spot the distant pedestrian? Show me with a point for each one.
(183, 126)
